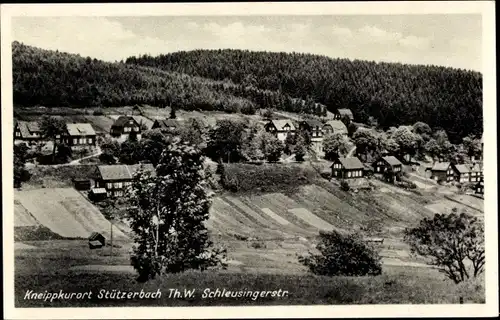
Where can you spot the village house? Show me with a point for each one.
(280, 128)
(479, 189)
(116, 178)
(476, 172)
(165, 125)
(340, 113)
(389, 166)
(334, 126)
(347, 168)
(315, 130)
(123, 127)
(27, 131)
(461, 172)
(442, 171)
(79, 134)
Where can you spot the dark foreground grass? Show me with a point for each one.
(396, 286)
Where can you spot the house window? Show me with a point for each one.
(136, 129)
(82, 140)
(118, 185)
(131, 122)
(348, 174)
(89, 140)
(126, 129)
(109, 185)
(18, 134)
(75, 141)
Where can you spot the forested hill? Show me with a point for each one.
(52, 78)
(392, 93)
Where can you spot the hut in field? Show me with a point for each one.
(96, 240)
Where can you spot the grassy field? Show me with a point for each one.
(35, 271)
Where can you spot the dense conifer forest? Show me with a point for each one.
(392, 93)
(244, 81)
(52, 79)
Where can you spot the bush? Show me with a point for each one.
(344, 185)
(258, 245)
(405, 183)
(343, 255)
(265, 177)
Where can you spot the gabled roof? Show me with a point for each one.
(279, 124)
(312, 123)
(27, 128)
(114, 172)
(123, 120)
(166, 124)
(440, 166)
(477, 167)
(346, 112)
(337, 125)
(351, 163)
(80, 129)
(95, 236)
(121, 171)
(462, 168)
(392, 160)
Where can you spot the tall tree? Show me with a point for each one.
(272, 147)
(225, 141)
(20, 173)
(52, 128)
(167, 213)
(454, 242)
(335, 145)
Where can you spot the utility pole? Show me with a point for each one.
(111, 249)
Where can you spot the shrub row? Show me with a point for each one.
(265, 177)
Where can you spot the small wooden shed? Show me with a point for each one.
(81, 184)
(96, 240)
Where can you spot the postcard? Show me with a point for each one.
(249, 160)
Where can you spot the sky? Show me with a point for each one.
(439, 39)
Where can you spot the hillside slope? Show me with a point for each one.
(64, 211)
(57, 79)
(392, 93)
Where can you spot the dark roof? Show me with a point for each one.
(96, 236)
(392, 161)
(312, 123)
(440, 166)
(351, 163)
(165, 124)
(123, 120)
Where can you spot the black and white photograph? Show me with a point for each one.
(313, 160)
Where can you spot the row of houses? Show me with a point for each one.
(390, 167)
(283, 128)
(352, 168)
(75, 134)
(463, 173)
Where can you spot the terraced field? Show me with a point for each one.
(63, 211)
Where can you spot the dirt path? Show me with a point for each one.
(77, 161)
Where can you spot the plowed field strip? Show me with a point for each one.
(312, 219)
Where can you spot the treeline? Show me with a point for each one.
(51, 78)
(393, 93)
